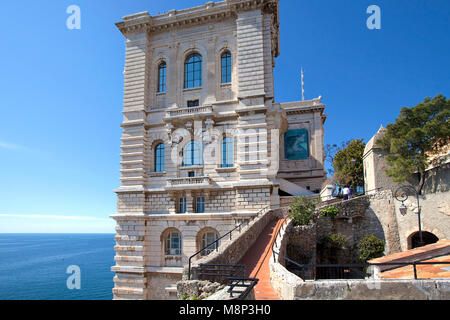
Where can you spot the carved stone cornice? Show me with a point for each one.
(300, 107)
(209, 12)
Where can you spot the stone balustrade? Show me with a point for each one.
(186, 113)
(177, 183)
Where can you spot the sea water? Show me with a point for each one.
(34, 266)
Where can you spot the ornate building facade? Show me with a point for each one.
(204, 144)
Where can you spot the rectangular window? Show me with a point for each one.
(200, 205)
(191, 174)
(227, 153)
(182, 205)
(226, 67)
(193, 103)
(162, 77)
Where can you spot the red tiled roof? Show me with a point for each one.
(436, 252)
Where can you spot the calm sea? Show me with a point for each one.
(33, 266)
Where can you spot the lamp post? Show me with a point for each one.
(401, 194)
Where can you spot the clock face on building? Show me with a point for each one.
(296, 144)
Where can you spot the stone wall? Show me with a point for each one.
(130, 202)
(231, 251)
(197, 289)
(373, 290)
(159, 203)
(256, 198)
(157, 282)
(358, 217)
(289, 286)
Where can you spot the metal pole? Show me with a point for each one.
(189, 270)
(421, 243)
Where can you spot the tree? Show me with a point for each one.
(370, 247)
(348, 164)
(414, 135)
(302, 210)
(330, 152)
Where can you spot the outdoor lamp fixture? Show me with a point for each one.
(401, 194)
(403, 209)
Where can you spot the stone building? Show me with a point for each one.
(205, 144)
(434, 200)
(374, 163)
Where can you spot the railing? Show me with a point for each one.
(236, 282)
(347, 271)
(229, 233)
(220, 272)
(274, 243)
(193, 111)
(172, 182)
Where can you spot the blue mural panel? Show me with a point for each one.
(296, 144)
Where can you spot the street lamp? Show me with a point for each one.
(401, 194)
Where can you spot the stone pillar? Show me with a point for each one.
(250, 61)
(130, 281)
(189, 202)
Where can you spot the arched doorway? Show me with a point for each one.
(428, 238)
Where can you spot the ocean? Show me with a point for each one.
(34, 266)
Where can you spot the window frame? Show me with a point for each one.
(169, 244)
(227, 152)
(226, 69)
(162, 77)
(193, 103)
(193, 71)
(204, 243)
(200, 205)
(193, 149)
(182, 205)
(159, 160)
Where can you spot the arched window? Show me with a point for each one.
(173, 244)
(193, 71)
(208, 238)
(192, 154)
(226, 67)
(227, 153)
(162, 77)
(159, 158)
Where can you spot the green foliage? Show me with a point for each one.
(331, 212)
(348, 164)
(330, 152)
(302, 210)
(370, 247)
(414, 135)
(186, 296)
(334, 241)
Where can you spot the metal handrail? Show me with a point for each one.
(274, 243)
(364, 265)
(226, 234)
(235, 282)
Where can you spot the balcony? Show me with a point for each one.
(188, 183)
(188, 113)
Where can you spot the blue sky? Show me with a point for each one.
(61, 91)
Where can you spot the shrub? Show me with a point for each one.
(334, 241)
(370, 247)
(331, 212)
(302, 210)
